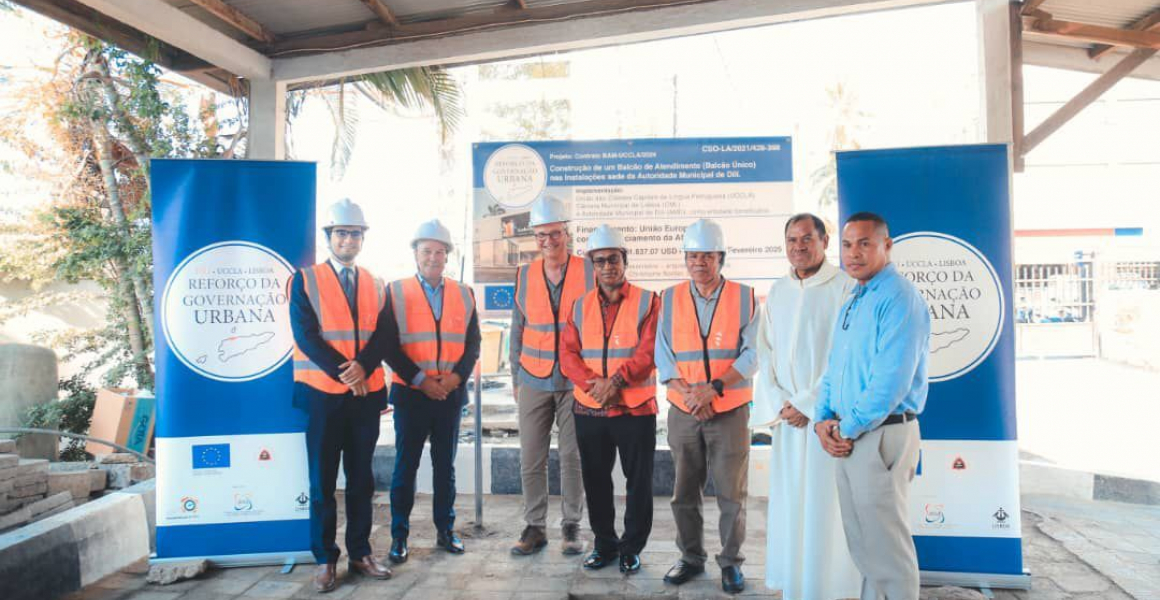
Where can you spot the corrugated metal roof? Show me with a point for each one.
(1109, 13)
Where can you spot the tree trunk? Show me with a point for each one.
(104, 145)
(129, 278)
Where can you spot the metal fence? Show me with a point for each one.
(1057, 305)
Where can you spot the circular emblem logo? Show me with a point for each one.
(225, 312)
(515, 175)
(964, 296)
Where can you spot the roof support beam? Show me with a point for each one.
(599, 23)
(1043, 23)
(1076, 59)
(1083, 99)
(1149, 23)
(236, 19)
(180, 30)
(382, 11)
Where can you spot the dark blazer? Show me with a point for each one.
(308, 337)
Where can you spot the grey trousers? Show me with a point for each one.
(538, 409)
(873, 483)
(719, 446)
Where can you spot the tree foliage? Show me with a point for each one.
(86, 132)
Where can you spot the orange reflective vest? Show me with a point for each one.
(543, 324)
(605, 353)
(701, 358)
(337, 324)
(434, 345)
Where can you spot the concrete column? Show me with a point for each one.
(995, 68)
(266, 135)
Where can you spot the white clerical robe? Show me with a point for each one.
(806, 552)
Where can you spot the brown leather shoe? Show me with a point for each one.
(367, 566)
(531, 540)
(572, 544)
(324, 580)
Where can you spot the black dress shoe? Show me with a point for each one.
(682, 572)
(629, 563)
(732, 581)
(598, 560)
(450, 542)
(398, 554)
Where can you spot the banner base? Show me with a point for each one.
(244, 560)
(977, 580)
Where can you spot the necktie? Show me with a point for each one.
(348, 286)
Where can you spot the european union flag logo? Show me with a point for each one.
(499, 297)
(211, 456)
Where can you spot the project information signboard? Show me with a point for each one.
(650, 189)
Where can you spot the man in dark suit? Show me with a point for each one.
(339, 381)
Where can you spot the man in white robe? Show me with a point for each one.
(806, 553)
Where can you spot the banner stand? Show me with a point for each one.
(232, 476)
(949, 212)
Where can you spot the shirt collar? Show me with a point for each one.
(712, 296)
(623, 293)
(338, 267)
(886, 274)
(428, 286)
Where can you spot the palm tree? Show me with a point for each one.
(416, 88)
(847, 119)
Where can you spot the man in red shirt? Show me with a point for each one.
(607, 353)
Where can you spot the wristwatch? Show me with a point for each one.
(718, 386)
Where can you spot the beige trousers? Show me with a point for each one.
(719, 446)
(538, 409)
(873, 483)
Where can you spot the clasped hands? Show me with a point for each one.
(793, 416)
(698, 398)
(832, 440)
(605, 391)
(435, 387)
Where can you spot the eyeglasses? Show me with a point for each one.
(850, 307)
(554, 236)
(611, 261)
(354, 234)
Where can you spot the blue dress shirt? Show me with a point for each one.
(877, 364)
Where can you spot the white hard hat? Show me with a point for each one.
(433, 230)
(704, 236)
(344, 213)
(547, 210)
(606, 237)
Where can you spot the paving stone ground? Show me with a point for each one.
(1075, 550)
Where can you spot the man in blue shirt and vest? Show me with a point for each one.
(874, 388)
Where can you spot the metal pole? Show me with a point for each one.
(478, 448)
(35, 430)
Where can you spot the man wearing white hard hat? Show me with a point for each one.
(335, 306)
(430, 336)
(546, 290)
(607, 353)
(706, 357)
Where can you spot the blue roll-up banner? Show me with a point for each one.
(949, 211)
(232, 483)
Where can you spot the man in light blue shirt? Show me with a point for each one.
(874, 388)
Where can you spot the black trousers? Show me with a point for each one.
(635, 438)
(417, 420)
(341, 428)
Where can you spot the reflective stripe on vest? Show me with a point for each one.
(542, 325)
(336, 324)
(605, 355)
(435, 346)
(701, 359)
